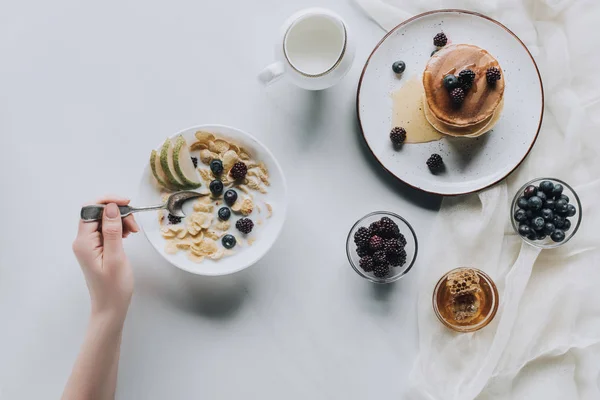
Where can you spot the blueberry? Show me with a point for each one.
(530, 191)
(557, 191)
(230, 197)
(532, 235)
(549, 204)
(541, 236)
(558, 236)
(522, 203)
(451, 82)
(541, 195)
(535, 203)
(398, 67)
(520, 215)
(229, 241)
(216, 166)
(433, 52)
(529, 214)
(537, 223)
(547, 187)
(567, 225)
(547, 214)
(561, 206)
(558, 221)
(571, 210)
(524, 230)
(548, 228)
(216, 187)
(565, 197)
(224, 213)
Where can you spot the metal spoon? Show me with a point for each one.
(173, 204)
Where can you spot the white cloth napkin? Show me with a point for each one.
(545, 340)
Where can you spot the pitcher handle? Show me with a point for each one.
(271, 73)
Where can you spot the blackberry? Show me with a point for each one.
(402, 240)
(435, 162)
(457, 96)
(374, 228)
(224, 213)
(440, 40)
(238, 171)
(397, 260)
(363, 251)
(362, 236)
(466, 77)
(392, 246)
(230, 197)
(367, 263)
(398, 135)
(216, 187)
(376, 243)
(229, 241)
(244, 225)
(173, 220)
(398, 67)
(380, 257)
(195, 162)
(216, 166)
(492, 75)
(388, 228)
(381, 270)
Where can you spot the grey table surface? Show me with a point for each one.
(86, 90)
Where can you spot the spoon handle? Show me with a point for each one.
(94, 212)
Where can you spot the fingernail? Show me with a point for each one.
(111, 211)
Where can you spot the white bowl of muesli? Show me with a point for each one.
(233, 226)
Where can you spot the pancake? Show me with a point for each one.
(480, 101)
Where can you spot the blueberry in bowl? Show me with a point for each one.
(381, 247)
(546, 212)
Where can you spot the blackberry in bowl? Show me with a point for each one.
(546, 212)
(382, 247)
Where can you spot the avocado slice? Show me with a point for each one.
(166, 162)
(157, 171)
(183, 163)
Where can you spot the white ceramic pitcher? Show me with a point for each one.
(314, 50)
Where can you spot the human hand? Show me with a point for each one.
(99, 251)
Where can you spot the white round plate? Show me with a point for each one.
(265, 234)
(471, 164)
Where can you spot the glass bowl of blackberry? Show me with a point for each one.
(382, 247)
(546, 212)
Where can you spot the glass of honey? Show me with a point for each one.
(465, 299)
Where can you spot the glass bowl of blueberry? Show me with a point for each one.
(546, 212)
(382, 247)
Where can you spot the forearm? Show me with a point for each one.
(94, 374)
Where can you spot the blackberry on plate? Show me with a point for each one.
(492, 75)
(548, 228)
(561, 206)
(362, 236)
(524, 230)
(522, 202)
(566, 225)
(571, 210)
(398, 67)
(244, 225)
(558, 235)
(230, 197)
(558, 221)
(520, 215)
(229, 241)
(466, 77)
(173, 220)
(557, 191)
(367, 263)
(537, 223)
(530, 191)
(450, 82)
(535, 203)
(376, 243)
(224, 213)
(398, 135)
(435, 162)
(397, 260)
(380, 257)
(388, 228)
(457, 96)
(216, 187)
(381, 270)
(547, 214)
(440, 40)
(547, 187)
(195, 162)
(216, 166)
(363, 251)
(238, 171)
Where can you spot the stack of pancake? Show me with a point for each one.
(483, 102)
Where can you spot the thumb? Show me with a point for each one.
(112, 231)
